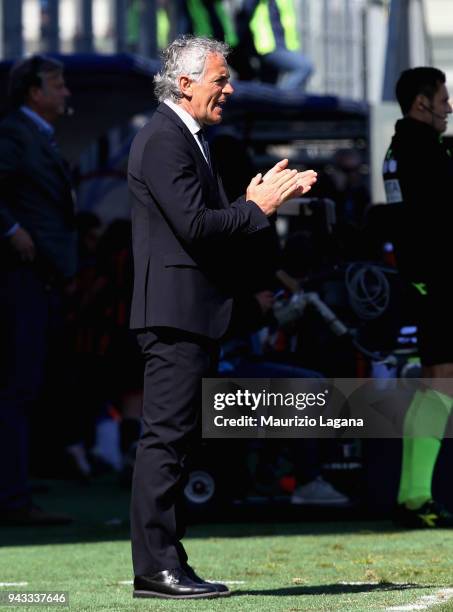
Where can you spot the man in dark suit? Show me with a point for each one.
(37, 256)
(185, 239)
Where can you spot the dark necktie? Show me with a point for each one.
(204, 144)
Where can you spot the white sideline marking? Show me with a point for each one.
(374, 583)
(131, 582)
(425, 602)
(6, 584)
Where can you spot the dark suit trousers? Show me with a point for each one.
(30, 312)
(175, 363)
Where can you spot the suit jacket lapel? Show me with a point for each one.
(168, 112)
(44, 141)
(222, 198)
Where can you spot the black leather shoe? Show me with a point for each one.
(172, 584)
(222, 589)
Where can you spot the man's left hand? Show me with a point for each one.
(305, 179)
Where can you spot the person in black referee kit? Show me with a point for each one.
(418, 177)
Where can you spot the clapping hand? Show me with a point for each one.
(279, 184)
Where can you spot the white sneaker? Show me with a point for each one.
(318, 492)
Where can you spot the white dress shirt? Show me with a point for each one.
(192, 124)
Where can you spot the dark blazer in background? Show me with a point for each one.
(35, 191)
(186, 236)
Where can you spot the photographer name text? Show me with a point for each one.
(290, 422)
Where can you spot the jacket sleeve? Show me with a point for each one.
(171, 176)
(11, 148)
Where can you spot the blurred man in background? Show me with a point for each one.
(273, 25)
(37, 257)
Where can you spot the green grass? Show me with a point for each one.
(291, 567)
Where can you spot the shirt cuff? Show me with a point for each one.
(12, 230)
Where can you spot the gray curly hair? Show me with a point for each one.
(184, 56)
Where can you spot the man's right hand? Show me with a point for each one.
(271, 194)
(281, 186)
(23, 245)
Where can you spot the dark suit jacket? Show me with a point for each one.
(185, 233)
(35, 191)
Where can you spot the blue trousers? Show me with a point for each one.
(293, 67)
(30, 312)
